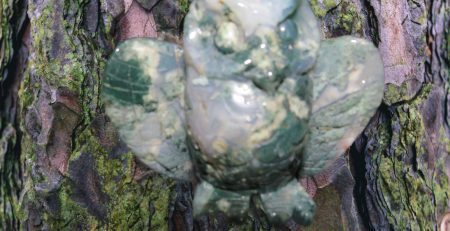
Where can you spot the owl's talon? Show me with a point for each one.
(209, 199)
(288, 201)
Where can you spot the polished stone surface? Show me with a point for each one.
(253, 101)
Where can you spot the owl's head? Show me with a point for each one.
(261, 40)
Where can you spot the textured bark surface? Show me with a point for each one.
(62, 166)
(14, 42)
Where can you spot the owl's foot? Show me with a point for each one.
(209, 199)
(288, 201)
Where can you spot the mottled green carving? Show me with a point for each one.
(253, 101)
(343, 104)
(143, 88)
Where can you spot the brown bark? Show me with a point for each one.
(63, 167)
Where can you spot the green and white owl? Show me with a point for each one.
(253, 101)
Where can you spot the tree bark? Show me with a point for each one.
(63, 167)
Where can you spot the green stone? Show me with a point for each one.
(247, 107)
(143, 90)
(288, 201)
(229, 38)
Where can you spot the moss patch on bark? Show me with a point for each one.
(411, 184)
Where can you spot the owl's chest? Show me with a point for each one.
(233, 121)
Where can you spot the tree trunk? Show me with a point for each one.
(63, 167)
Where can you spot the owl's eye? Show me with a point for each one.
(229, 38)
(288, 30)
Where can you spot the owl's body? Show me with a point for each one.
(253, 102)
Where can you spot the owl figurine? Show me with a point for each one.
(253, 101)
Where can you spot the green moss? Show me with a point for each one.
(129, 201)
(317, 9)
(414, 195)
(349, 18)
(184, 6)
(444, 140)
(131, 204)
(6, 33)
(329, 4)
(75, 45)
(27, 157)
(11, 168)
(394, 94)
(71, 216)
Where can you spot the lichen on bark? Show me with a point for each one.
(13, 56)
(408, 183)
(80, 176)
(63, 166)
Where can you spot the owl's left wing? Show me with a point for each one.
(348, 87)
(143, 90)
